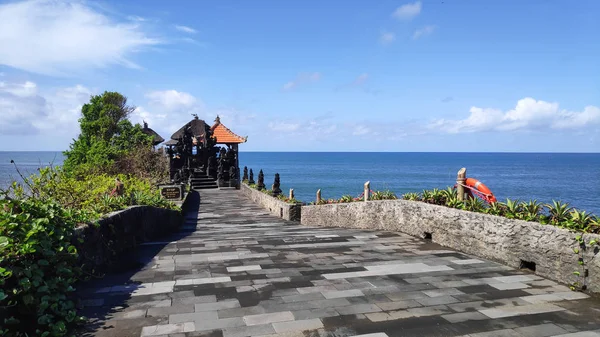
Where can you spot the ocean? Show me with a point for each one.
(569, 177)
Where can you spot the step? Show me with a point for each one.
(204, 184)
(201, 180)
(205, 187)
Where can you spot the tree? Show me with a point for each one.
(106, 134)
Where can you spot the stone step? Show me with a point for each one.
(205, 187)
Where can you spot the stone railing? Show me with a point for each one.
(275, 206)
(101, 244)
(548, 250)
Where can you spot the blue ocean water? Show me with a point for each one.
(573, 178)
(27, 163)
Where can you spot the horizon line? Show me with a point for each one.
(307, 151)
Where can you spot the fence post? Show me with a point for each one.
(291, 193)
(367, 190)
(460, 181)
(318, 196)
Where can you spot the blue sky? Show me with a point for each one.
(442, 75)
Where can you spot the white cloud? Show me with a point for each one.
(427, 30)
(26, 89)
(185, 29)
(386, 38)
(361, 130)
(407, 11)
(174, 101)
(25, 110)
(59, 38)
(528, 114)
(301, 79)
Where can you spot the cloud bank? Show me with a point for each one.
(58, 37)
(528, 114)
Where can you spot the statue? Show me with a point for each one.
(232, 177)
(221, 174)
(261, 181)
(211, 167)
(276, 189)
(118, 190)
(251, 179)
(245, 177)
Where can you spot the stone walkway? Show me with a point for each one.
(236, 271)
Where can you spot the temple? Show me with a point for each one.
(156, 138)
(204, 156)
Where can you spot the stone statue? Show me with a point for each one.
(221, 173)
(211, 166)
(251, 179)
(232, 177)
(276, 189)
(118, 190)
(261, 181)
(245, 177)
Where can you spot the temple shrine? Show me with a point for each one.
(204, 156)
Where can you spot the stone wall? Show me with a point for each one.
(273, 205)
(511, 242)
(100, 245)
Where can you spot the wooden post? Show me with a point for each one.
(367, 190)
(291, 193)
(318, 196)
(460, 181)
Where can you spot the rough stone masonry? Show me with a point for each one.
(235, 270)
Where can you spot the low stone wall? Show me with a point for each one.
(275, 206)
(511, 242)
(100, 245)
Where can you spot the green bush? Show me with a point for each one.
(37, 268)
(557, 213)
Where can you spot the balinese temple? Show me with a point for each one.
(205, 156)
(156, 138)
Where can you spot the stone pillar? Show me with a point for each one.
(318, 196)
(291, 193)
(260, 185)
(460, 181)
(367, 191)
(251, 178)
(237, 165)
(245, 176)
(276, 190)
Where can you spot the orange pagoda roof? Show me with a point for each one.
(224, 135)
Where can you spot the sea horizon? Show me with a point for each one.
(515, 175)
(242, 150)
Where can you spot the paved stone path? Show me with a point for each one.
(236, 271)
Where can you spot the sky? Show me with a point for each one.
(428, 75)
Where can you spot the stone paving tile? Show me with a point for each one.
(234, 270)
(303, 325)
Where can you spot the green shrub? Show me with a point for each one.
(557, 213)
(37, 268)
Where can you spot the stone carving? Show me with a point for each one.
(251, 179)
(232, 177)
(260, 185)
(221, 173)
(212, 167)
(276, 189)
(245, 177)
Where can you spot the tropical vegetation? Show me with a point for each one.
(556, 213)
(38, 215)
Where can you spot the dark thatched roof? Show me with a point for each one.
(171, 142)
(156, 138)
(198, 130)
